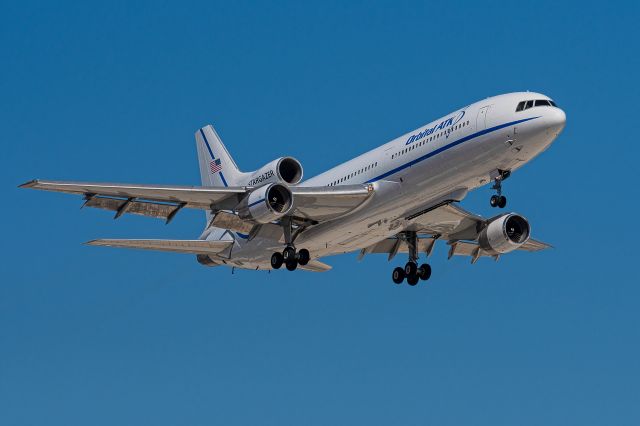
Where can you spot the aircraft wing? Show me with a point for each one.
(448, 222)
(328, 202)
(193, 196)
(315, 266)
(164, 201)
(454, 223)
(175, 246)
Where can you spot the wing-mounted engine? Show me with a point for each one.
(266, 203)
(285, 170)
(504, 234)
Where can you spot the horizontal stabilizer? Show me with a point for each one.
(175, 246)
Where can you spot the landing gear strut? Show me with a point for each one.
(499, 200)
(411, 271)
(290, 257)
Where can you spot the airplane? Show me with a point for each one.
(401, 197)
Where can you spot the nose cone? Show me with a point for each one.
(555, 119)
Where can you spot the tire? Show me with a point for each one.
(413, 279)
(410, 269)
(494, 201)
(291, 265)
(303, 257)
(502, 202)
(398, 275)
(424, 272)
(289, 253)
(276, 260)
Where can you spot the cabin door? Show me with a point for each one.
(481, 121)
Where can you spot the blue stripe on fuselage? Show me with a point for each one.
(446, 147)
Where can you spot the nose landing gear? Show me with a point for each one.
(499, 200)
(411, 271)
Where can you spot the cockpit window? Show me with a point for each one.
(538, 102)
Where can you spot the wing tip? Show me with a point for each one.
(29, 184)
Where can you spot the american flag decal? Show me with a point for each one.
(215, 166)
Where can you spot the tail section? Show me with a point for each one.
(217, 168)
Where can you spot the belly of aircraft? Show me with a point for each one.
(467, 166)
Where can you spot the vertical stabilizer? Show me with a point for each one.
(217, 168)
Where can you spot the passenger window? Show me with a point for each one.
(520, 106)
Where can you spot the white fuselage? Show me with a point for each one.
(438, 162)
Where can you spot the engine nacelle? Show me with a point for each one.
(266, 203)
(504, 234)
(283, 170)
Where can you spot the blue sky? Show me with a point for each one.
(114, 92)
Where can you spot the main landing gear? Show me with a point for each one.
(499, 200)
(289, 256)
(411, 271)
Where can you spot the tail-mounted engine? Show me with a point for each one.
(283, 170)
(266, 203)
(504, 234)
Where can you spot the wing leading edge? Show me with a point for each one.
(175, 246)
(164, 201)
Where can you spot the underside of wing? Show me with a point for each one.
(460, 229)
(189, 196)
(310, 204)
(175, 246)
(447, 220)
(393, 246)
(473, 249)
(535, 245)
(315, 266)
(328, 202)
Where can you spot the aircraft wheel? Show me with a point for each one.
(502, 201)
(410, 269)
(412, 279)
(303, 257)
(424, 271)
(494, 201)
(398, 275)
(276, 260)
(289, 253)
(291, 265)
